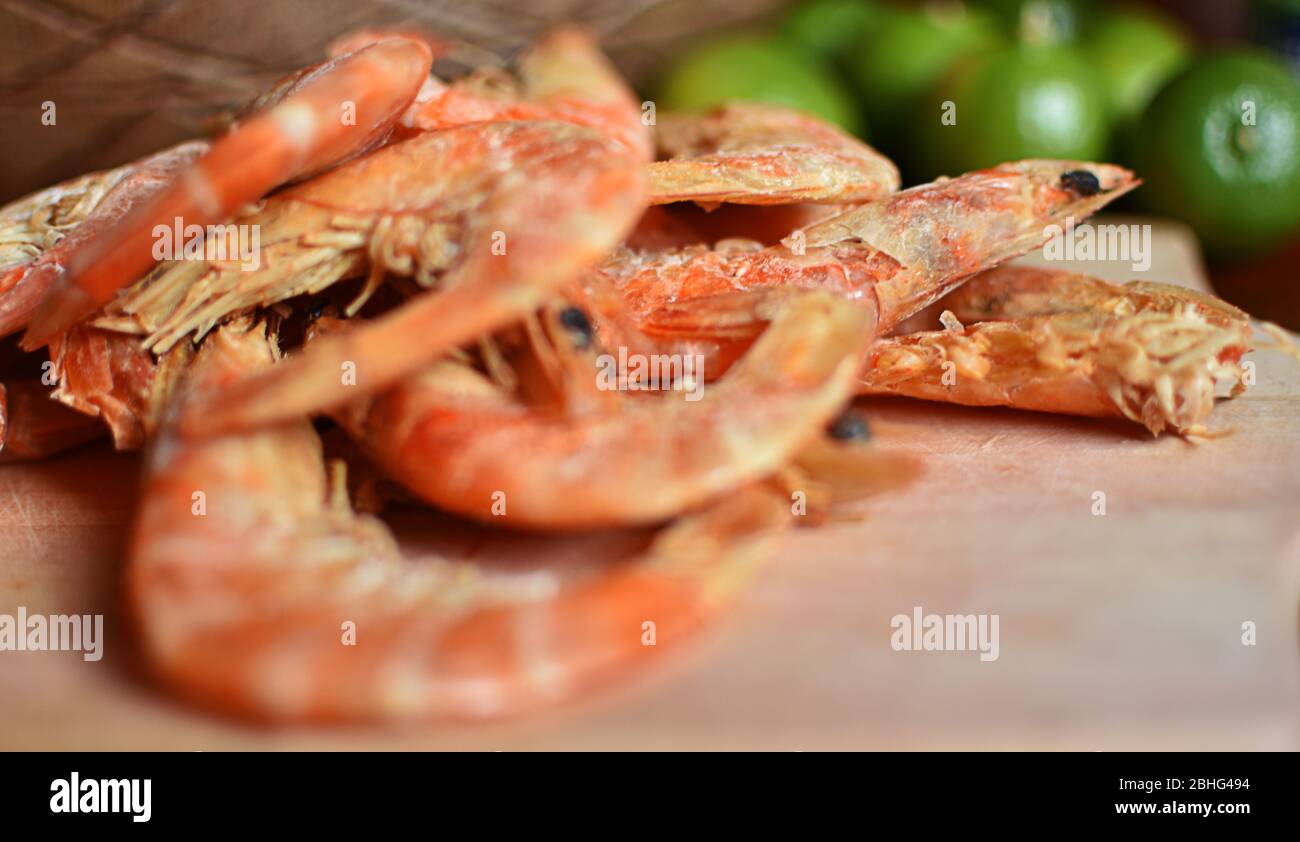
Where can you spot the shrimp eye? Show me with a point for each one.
(1082, 182)
(576, 322)
(850, 426)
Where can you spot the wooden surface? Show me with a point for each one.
(1116, 632)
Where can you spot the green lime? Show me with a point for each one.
(908, 52)
(1134, 53)
(755, 67)
(831, 28)
(1023, 101)
(1220, 148)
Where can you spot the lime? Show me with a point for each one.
(907, 52)
(1135, 53)
(830, 28)
(760, 68)
(1220, 148)
(1023, 101)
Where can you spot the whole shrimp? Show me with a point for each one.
(1056, 341)
(896, 255)
(453, 436)
(247, 572)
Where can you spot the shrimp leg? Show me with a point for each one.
(243, 603)
(52, 225)
(1059, 342)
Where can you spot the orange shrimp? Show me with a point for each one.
(898, 254)
(454, 438)
(1056, 341)
(247, 575)
(324, 117)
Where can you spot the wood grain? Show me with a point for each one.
(1116, 632)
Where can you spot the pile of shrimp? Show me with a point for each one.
(450, 277)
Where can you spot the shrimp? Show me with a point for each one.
(246, 574)
(757, 154)
(39, 234)
(1055, 341)
(497, 213)
(896, 254)
(454, 437)
(34, 427)
(324, 117)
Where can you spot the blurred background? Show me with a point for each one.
(1202, 97)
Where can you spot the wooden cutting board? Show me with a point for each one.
(1119, 631)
